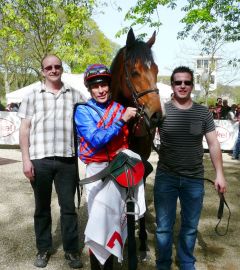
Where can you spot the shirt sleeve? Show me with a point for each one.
(86, 120)
(209, 123)
(26, 108)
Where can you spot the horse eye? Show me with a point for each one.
(135, 73)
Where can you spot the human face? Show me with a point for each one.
(100, 92)
(182, 86)
(52, 69)
(219, 102)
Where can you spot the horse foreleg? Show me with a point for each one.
(95, 265)
(108, 264)
(143, 247)
(143, 234)
(132, 254)
(143, 237)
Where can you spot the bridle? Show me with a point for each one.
(134, 93)
(135, 96)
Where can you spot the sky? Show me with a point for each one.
(169, 52)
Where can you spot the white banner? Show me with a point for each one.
(227, 132)
(9, 128)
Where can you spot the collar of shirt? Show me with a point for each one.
(65, 88)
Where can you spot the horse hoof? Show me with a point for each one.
(144, 256)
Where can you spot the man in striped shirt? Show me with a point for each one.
(180, 170)
(46, 141)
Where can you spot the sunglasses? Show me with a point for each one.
(57, 67)
(96, 72)
(188, 83)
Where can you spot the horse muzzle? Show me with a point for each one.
(154, 121)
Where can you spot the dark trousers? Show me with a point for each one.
(62, 172)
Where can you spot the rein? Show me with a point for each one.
(222, 201)
(220, 210)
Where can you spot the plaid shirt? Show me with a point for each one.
(51, 132)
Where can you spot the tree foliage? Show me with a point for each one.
(220, 16)
(29, 30)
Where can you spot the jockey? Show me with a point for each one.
(102, 132)
(100, 138)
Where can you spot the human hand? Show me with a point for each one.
(28, 170)
(129, 113)
(220, 184)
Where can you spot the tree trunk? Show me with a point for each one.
(6, 83)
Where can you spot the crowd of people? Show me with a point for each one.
(234, 116)
(46, 141)
(11, 107)
(222, 110)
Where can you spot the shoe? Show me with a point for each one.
(42, 258)
(74, 260)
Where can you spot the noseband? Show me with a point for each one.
(136, 95)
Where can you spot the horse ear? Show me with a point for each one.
(130, 38)
(151, 41)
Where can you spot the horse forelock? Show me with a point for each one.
(140, 51)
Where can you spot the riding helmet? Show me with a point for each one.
(96, 73)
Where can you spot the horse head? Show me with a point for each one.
(134, 78)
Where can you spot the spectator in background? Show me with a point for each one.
(236, 148)
(218, 109)
(225, 109)
(212, 110)
(232, 113)
(12, 107)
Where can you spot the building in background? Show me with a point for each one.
(205, 71)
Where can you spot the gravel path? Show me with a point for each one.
(17, 241)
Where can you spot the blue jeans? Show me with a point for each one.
(236, 148)
(167, 189)
(63, 172)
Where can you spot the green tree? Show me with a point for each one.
(201, 15)
(31, 29)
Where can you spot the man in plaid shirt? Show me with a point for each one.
(46, 141)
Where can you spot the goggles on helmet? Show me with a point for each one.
(96, 73)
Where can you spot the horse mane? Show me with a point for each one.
(139, 51)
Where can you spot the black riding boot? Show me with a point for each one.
(95, 265)
(108, 265)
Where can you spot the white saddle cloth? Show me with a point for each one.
(106, 229)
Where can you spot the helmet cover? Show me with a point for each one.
(96, 73)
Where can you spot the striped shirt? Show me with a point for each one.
(51, 131)
(181, 135)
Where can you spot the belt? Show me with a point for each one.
(63, 159)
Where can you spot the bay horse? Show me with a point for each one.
(134, 83)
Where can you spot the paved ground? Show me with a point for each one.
(17, 247)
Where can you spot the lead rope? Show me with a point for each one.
(220, 211)
(222, 202)
(75, 139)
